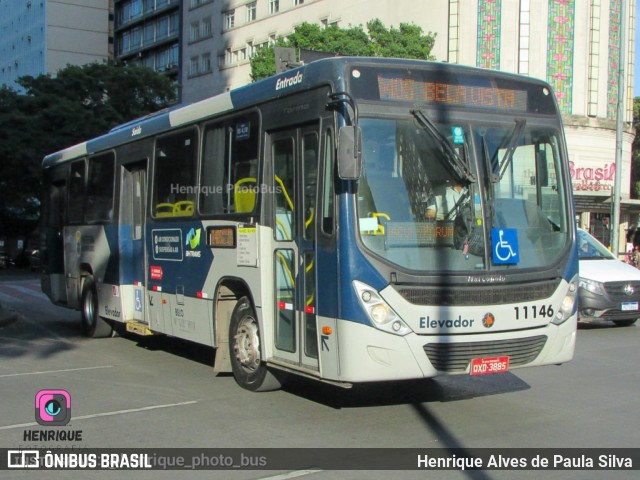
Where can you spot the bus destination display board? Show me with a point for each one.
(393, 87)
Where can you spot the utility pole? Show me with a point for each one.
(615, 221)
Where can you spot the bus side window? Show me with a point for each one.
(174, 177)
(75, 205)
(229, 170)
(212, 184)
(100, 184)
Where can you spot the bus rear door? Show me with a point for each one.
(132, 232)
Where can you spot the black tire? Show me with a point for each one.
(249, 370)
(624, 323)
(93, 325)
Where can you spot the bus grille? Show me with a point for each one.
(455, 295)
(455, 357)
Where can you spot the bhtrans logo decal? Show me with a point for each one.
(289, 81)
(193, 242)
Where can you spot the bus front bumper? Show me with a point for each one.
(367, 355)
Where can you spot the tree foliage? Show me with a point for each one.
(81, 102)
(407, 41)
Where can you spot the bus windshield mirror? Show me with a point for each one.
(349, 155)
(455, 162)
(511, 148)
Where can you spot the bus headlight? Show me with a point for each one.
(379, 312)
(569, 303)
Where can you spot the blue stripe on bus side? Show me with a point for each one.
(353, 265)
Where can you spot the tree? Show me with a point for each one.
(80, 103)
(378, 41)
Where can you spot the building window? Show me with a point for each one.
(174, 55)
(251, 12)
(162, 30)
(194, 32)
(194, 66)
(274, 6)
(205, 28)
(229, 19)
(149, 33)
(298, 2)
(205, 63)
(174, 24)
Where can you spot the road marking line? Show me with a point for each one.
(54, 371)
(297, 473)
(106, 414)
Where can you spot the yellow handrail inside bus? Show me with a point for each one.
(284, 192)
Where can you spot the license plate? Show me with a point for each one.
(486, 366)
(629, 306)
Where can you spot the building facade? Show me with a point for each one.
(572, 44)
(148, 33)
(43, 36)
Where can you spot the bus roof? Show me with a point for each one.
(328, 71)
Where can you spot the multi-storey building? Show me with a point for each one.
(147, 32)
(573, 44)
(42, 36)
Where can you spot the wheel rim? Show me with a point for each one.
(88, 308)
(247, 344)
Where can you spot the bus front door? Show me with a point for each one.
(294, 180)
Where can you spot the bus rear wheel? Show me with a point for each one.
(249, 370)
(93, 325)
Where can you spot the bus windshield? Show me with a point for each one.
(432, 192)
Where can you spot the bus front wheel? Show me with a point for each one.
(249, 370)
(93, 325)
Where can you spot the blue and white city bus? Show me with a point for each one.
(352, 220)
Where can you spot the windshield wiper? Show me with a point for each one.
(511, 148)
(455, 162)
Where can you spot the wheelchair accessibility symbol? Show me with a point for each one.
(504, 246)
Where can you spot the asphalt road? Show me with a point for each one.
(129, 392)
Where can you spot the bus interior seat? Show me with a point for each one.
(244, 194)
(164, 210)
(183, 208)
